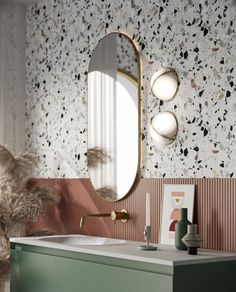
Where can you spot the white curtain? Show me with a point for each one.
(102, 111)
(12, 75)
(12, 81)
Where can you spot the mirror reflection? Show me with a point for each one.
(113, 116)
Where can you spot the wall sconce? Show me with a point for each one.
(164, 83)
(164, 127)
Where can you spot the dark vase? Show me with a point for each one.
(181, 229)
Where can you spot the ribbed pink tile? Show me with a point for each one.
(215, 208)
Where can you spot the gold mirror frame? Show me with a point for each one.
(105, 193)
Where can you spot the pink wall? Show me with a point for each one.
(215, 210)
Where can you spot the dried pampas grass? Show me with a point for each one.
(97, 156)
(18, 205)
(4, 250)
(4, 274)
(107, 193)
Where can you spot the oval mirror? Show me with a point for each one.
(113, 116)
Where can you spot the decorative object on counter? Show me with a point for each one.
(147, 229)
(164, 128)
(123, 216)
(192, 239)
(147, 236)
(148, 209)
(19, 206)
(175, 197)
(165, 83)
(181, 227)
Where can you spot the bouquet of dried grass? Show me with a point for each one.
(18, 205)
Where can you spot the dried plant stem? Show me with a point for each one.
(18, 205)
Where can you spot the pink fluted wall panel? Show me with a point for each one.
(214, 212)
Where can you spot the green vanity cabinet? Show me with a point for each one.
(39, 269)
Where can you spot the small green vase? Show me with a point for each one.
(181, 229)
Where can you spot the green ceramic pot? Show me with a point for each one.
(181, 229)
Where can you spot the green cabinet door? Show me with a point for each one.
(32, 272)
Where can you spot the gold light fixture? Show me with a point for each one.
(164, 83)
(164, 127)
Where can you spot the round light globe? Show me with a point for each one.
(163, 128)
(164, 84)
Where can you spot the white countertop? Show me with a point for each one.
(164, 255)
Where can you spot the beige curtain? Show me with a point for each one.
(12, 81)
(12, 75)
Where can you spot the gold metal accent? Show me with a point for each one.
(128, 75)
(126, 215)
(123, 216)
(84, 217)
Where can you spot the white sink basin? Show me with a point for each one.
(78, 240)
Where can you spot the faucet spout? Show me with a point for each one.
(123, 216)
(84, 217)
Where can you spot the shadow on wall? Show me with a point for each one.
(77, 198)
(65, 217)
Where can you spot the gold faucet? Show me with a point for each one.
(123, 216)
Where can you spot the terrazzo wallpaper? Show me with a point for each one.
(197, 38)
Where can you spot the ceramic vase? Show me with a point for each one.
(181, 229)
(192, 239)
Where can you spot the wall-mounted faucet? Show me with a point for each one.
(123, 216)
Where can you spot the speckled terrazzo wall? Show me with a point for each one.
(197, 38)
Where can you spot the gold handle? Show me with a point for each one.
(123, 215)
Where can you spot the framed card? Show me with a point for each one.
(175, 197)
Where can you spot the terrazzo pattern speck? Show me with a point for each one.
(197, 38)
